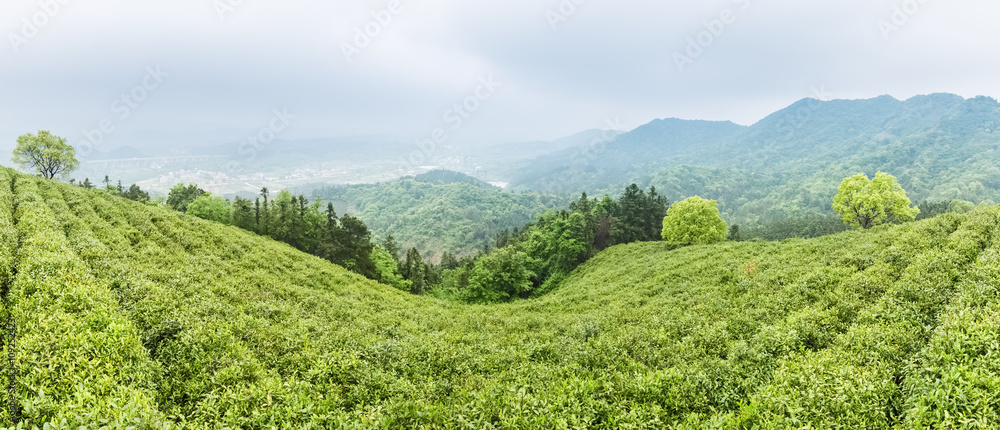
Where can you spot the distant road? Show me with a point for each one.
(145, 162)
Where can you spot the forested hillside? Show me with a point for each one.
(439, 211)
(941, 147)
(132, 315)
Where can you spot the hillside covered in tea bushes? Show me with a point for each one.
(127, 315)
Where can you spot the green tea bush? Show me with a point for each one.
(138, 315)
(857, 381)
(79, 360)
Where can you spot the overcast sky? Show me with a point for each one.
(558, 66)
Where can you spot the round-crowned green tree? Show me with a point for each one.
(866, 203)
(499, 276)
(694, 221)
(46, 153)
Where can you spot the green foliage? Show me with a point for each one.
(45, 153)
(135, 315)
(558, 242)
(345, 241)
(388, 269)
(865, 203)
(212, 208)
(135, 194)
(79, 359)
(415, 271)
(941, 147)
(638, 216)
(439, 212)
(499, 276)
(181, 196)
(694, 221)
(802, 227)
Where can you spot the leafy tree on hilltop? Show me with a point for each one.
(866, 203)
(181, 196)
(694, 221)
(212, 208)
(46, 153)
(500, 276)
(388, 269)
(135, 193)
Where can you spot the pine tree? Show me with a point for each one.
(415, 271)
(655, 210)
(390, 245)
(356, 247)
(266, 224)
(243, 214)
(630, 216)
(448, 261)
(331, 235)
(604, 212)
(256, 214)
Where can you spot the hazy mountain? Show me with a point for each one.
(940, 146)
(612, 157)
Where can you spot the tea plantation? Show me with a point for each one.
(131, 316)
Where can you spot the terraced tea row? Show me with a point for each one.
(142, 316)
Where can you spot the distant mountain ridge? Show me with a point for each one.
(644, 149)
(940, 146)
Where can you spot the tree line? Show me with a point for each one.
(309, 226)
(524, 262)
(532, 260)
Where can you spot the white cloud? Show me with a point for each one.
(607, 58)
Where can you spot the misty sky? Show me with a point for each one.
(558, 66)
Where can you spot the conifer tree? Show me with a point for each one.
(415, 271)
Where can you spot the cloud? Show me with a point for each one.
(597, 60)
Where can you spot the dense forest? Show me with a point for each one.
(439, 211)
(528, 261)
(150, 318)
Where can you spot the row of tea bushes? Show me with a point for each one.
(858, 381)
(79, 360)
(219, 328)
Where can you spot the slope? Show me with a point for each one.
(142, 316)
